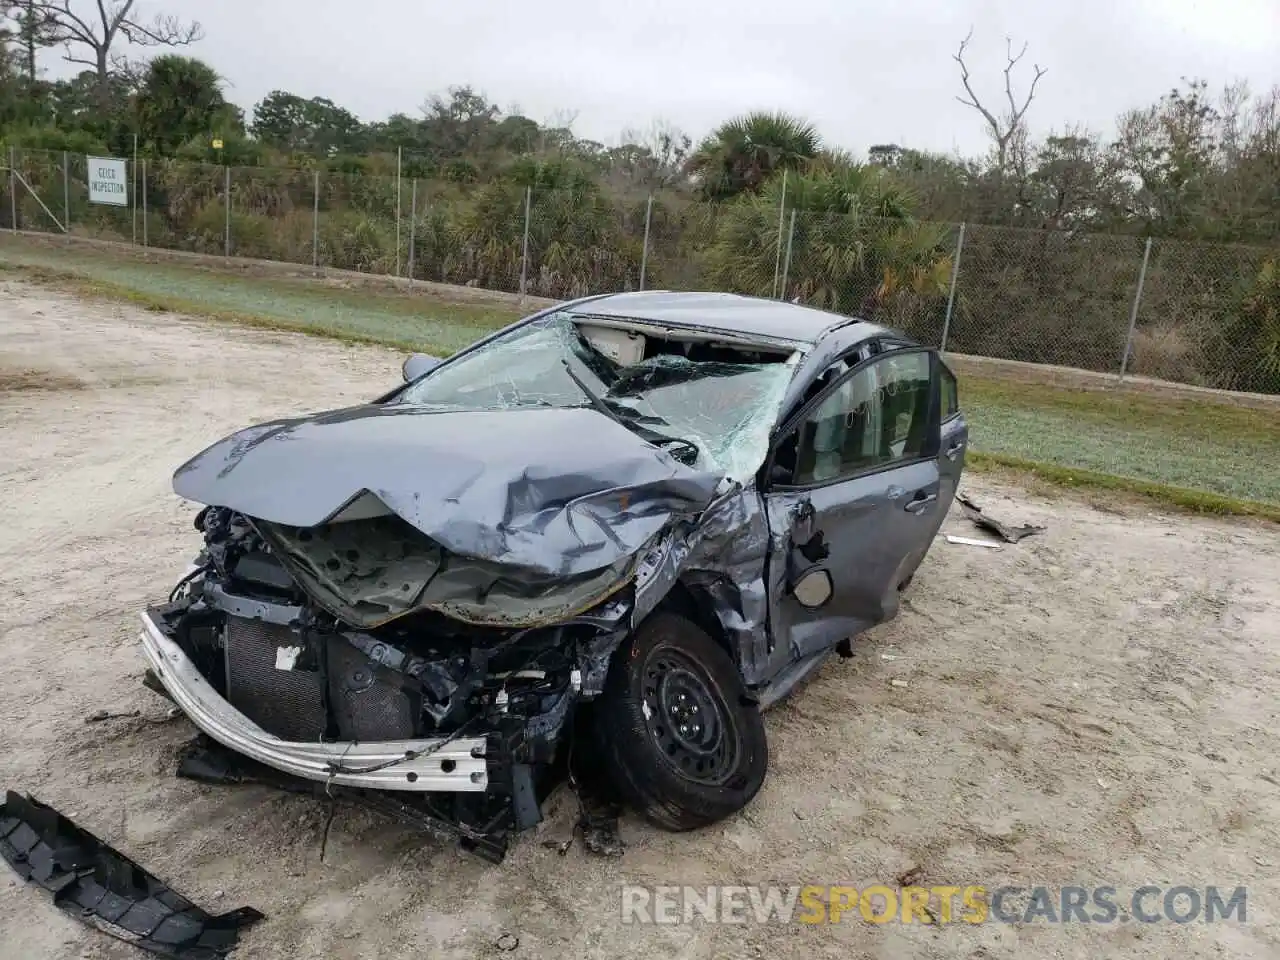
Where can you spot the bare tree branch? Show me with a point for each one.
(68, 34)
(107, 26)
(115, 18)
(1002, 129)
(973, 100)
(1016, 113)
(162, 32)
(65, 19)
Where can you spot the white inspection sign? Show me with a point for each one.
(108, 181)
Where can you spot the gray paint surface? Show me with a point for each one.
(552, 491)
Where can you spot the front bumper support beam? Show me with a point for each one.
(437, 764)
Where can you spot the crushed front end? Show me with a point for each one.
(323, 653)
(411, 597)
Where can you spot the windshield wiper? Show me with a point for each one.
(596, 401)
(633, 420)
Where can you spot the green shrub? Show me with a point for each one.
(1249, 347)
(353, 241)
(55, 139)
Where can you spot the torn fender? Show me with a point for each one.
(554, 491)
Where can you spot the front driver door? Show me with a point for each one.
(861, 504)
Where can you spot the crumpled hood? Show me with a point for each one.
(557, 491)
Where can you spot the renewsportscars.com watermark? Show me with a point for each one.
(878, 903)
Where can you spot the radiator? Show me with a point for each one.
(286, 703)
(368, 701)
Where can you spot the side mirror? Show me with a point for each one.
(417, 364)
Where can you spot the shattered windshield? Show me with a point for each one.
(724, 410)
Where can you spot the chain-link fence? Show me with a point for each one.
(1202, 314)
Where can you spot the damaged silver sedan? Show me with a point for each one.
(613, 532)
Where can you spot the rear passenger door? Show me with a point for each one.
(858, 502)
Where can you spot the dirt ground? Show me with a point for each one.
(1094, 706)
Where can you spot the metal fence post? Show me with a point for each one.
(951, 297)
(13, 191)
(66, 195)
(786, 267)
(315, 221)
(1133, 312)
(524, 254)
(226, 243)
(399, 159)
(782, 211)
(134, 205)
(413, 226)
(644, 251)
(145, 235)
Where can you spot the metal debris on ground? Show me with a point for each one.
(1010, 534)
(599, 804)
(559, 846)
(598, 823)
(600, 834)
(971, 542)
(103, 888)
(99, 715)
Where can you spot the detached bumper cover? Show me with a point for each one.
(105, 889)
(408, 765)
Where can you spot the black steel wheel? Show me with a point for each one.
(678, 734)
(693, 729)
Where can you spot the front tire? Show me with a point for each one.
(677, 731)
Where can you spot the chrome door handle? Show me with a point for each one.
(920, 503)
(953, 451)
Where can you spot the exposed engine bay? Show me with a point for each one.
(300, 674)
(425, 674)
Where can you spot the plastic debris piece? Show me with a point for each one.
(103, 888)
(1009, 534)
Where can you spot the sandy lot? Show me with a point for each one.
(1096, 706)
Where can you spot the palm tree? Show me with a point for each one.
(575, 244)
(856, 247)
(181, 98)
(743, 153)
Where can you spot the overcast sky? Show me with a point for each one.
(865, 73)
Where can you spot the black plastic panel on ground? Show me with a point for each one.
(105, 889)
